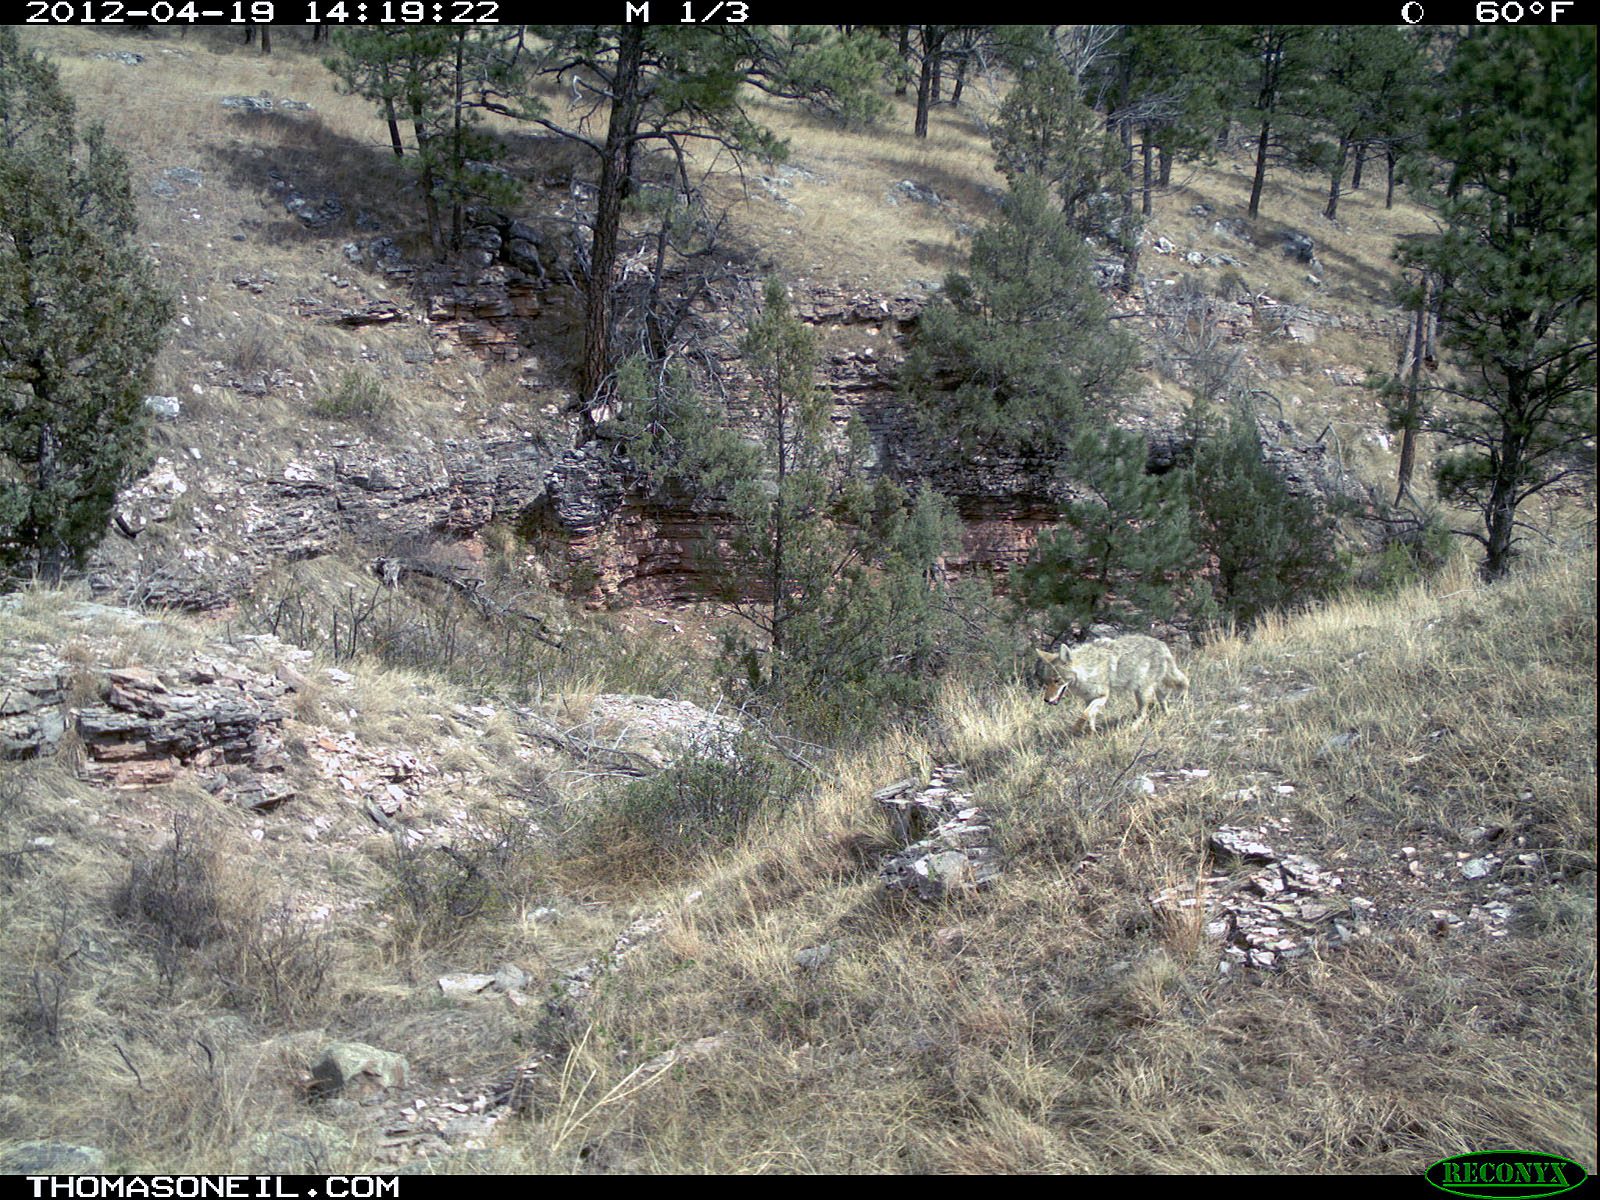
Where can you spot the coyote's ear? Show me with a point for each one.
(1049, 658)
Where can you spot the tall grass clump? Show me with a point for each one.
(357, 397)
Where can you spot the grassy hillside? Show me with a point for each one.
(1075, 1017)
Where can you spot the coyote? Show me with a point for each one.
(1141, 664)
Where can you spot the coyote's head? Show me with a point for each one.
(1060, 664)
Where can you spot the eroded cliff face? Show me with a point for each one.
(626, 544)
(197, 534)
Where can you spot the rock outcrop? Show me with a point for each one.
(241, 521)
(211, 715)
(197, 537)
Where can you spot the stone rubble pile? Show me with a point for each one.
(948, 843)
(574, 987)
(658, 729)
(1287, 905)
(382, 779)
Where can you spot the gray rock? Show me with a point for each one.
(250, 106)
(909, 189)
(163, 408)
(308, 1148)
(460, 986)
(355, 1068)
(1234, 228)
(51, 1158)
(813, 957)
(1300, 247)
(510, 978)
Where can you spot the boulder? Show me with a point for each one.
(355, 1070)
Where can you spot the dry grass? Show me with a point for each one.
(1056, 1023)
(1067, 1028)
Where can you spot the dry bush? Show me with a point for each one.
(438, 891)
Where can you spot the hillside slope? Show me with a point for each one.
(390, 407)
(1407, 971)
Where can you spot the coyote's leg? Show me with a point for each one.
(1091, 711)
(1142, 697)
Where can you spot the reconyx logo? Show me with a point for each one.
(1516, 1175)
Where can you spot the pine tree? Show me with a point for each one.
(1047, 130)
(1369, 76)
(1123, 553)
(1280, 61)
(440, 79)
(673, 86)
(81, 318)
(833, 571)
(782, 514)
(1272, 548)
(1012, 356)
(1515, 132)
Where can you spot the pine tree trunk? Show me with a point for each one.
(1411, 416)
(1331, 211)
(52, 554)
(1261, 168)
(458, 155)
(394, 127)
(599, 301)
(430, 202)
(1129, 235)
(932, 41)
(1149, 173)
(1500, 515)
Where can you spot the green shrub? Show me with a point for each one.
(1408, 554)
(359, 397)
(1273, 548)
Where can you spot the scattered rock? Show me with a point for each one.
(1274, 915)
(574, 988)
(163, 408)
(909, 189)
(1235, 229)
